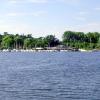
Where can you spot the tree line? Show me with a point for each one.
(90, 40)
(11, 41)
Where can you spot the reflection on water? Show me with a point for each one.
(50, 76)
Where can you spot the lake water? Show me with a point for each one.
(50, 76)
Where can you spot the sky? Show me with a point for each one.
(43, 17)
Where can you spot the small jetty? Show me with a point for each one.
(45, 49)
(59, 48)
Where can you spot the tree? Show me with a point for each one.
(80, 39)
(51, 41)
(28, 43)
(19, 42)
(98, 44)
(0, 41)
(8, 41)
(69, 38)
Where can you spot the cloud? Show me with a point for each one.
(98, 8)
(13, 1)
(12, 14)
(38, 13)
(35, 14)
(16, 28)
(44, 1)
(68, 0)
(81, 18)
(38, 1)
(71, 2)
(27, 1)
(89, 27)
(83, 13)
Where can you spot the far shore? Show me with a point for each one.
(49, 50)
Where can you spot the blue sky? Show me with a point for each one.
(43, 17)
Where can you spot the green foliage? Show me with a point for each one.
(9, 41)
(51, 41)
(89, 40)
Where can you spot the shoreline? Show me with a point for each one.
(30, 50)
(50, 50)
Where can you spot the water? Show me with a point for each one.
(50, 76)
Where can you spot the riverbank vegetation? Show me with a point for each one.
(80, 40)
